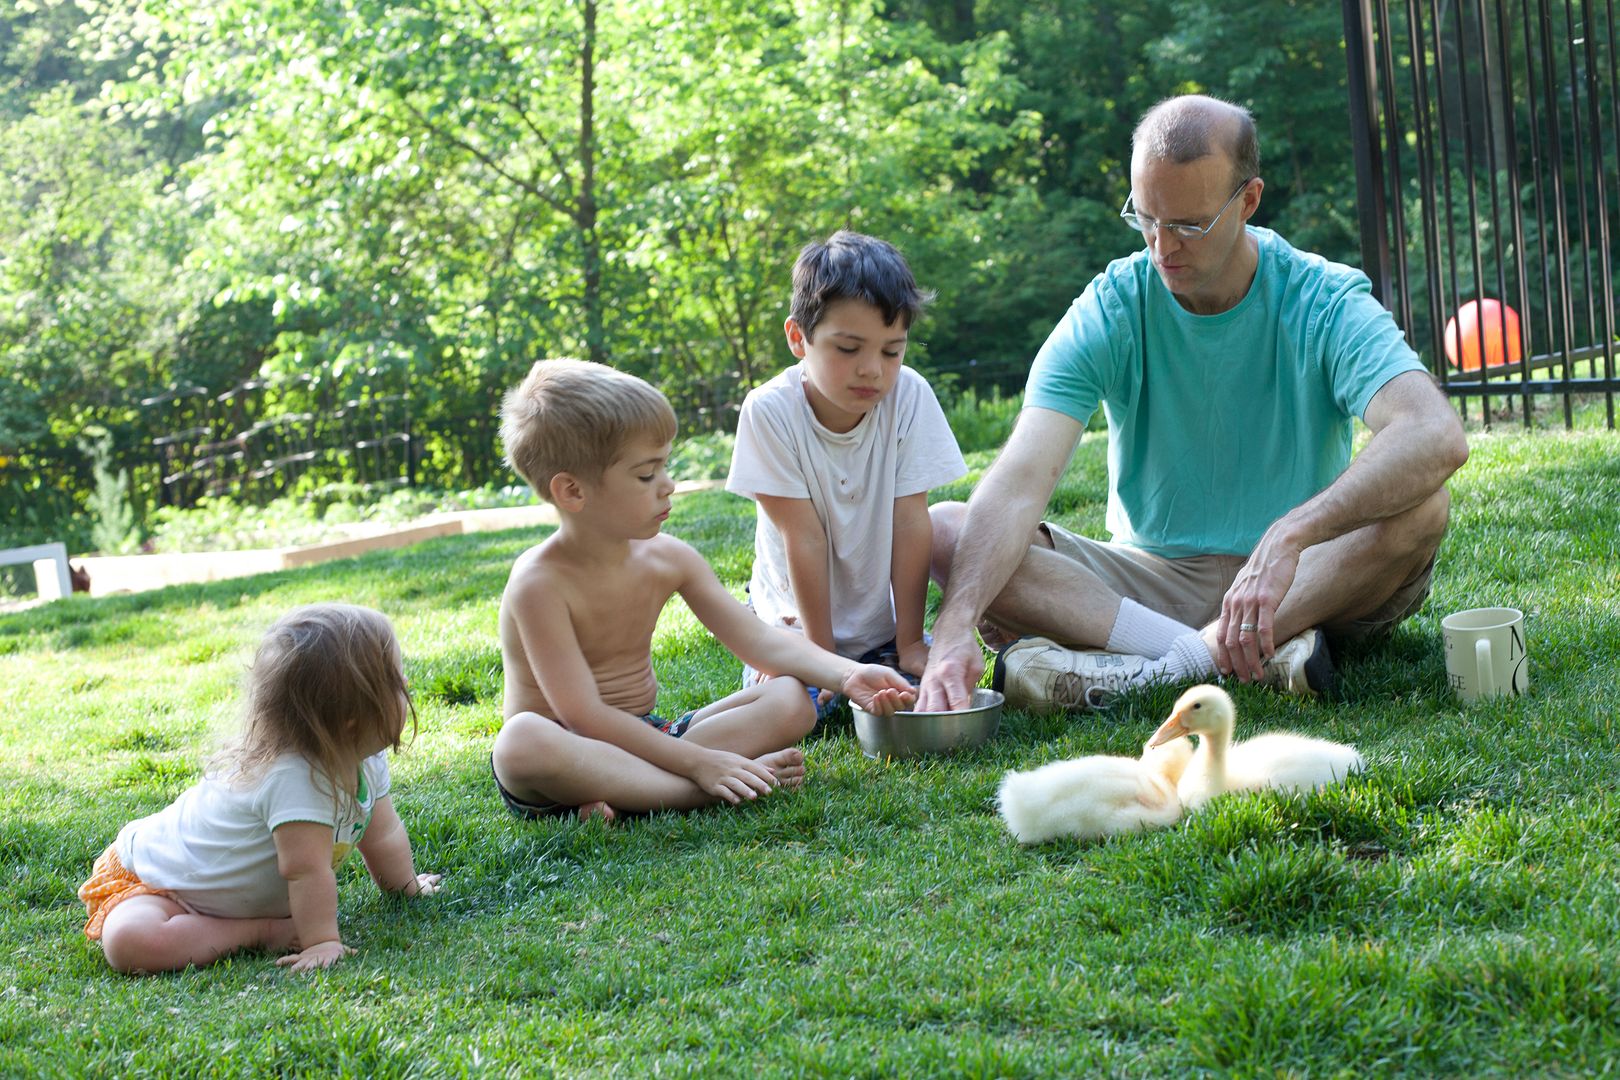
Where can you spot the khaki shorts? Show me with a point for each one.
(1190, 590)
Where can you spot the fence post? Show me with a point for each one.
(1363, 87)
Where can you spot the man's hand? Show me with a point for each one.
(1252, 602)
(877, 689)
(732, 777)
(914, 657)
(955, 664)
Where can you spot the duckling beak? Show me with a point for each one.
(1173, 728)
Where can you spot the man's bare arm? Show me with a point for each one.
(1417, 443)
(1001, 518)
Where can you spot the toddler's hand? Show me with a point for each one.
(322, 954)
(423, 885)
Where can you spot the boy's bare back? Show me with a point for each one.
(589, 619)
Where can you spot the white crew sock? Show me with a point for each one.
(1187, 658)
(1141, 631)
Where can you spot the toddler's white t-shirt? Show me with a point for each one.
(212, 846)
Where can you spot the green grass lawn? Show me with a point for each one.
(1454, 910)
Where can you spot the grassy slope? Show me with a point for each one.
(1455, 910)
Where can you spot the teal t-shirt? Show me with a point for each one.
(1218, 425)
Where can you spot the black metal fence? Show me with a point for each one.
(261, 438)
(1487, 142)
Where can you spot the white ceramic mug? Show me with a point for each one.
(1485, 653)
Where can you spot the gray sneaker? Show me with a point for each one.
(1301, 666)
(1038, 674)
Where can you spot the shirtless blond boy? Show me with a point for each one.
(579, 611)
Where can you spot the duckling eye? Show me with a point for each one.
(1198, 704)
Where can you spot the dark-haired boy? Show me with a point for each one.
(839, 451)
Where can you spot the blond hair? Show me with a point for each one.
(325, 685)
(575, 416)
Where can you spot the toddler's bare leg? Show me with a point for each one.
(539, 760)
(761, 719)
(153, 933)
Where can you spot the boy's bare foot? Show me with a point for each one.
(786, 765)
(596, 810)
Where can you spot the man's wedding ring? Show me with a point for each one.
(1248, 627)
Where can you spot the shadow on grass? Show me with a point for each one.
(432, 575)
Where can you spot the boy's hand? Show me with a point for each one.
(322, 954)
(914, 657)
(732, 777)
(877, 689)
(423, 885)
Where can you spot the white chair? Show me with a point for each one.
(50, 568)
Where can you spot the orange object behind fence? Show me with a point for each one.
(1483, 320)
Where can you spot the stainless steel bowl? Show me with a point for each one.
(907, 734)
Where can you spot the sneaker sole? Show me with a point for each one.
(1320, 674)
(998, 671)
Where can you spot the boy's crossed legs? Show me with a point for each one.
(543, 768)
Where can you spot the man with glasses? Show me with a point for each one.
(1230, 366)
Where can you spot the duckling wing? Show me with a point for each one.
(1087, 798)
(1290, 762)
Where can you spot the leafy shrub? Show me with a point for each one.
(114, 531)
(981, 422)
(702, 457)
(223, 524)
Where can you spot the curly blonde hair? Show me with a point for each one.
(326, 684)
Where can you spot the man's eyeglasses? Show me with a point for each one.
(1144, 224)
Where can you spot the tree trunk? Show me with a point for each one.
(595, 336)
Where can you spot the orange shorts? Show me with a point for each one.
(110, 885)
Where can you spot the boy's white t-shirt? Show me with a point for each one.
(902, 447)
(212, 846)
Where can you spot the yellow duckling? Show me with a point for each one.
(1278, 760)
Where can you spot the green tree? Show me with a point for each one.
(91, 235)
(1284, 61)
(434, 193)
(482, 183)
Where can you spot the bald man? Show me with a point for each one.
(1231, 367)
